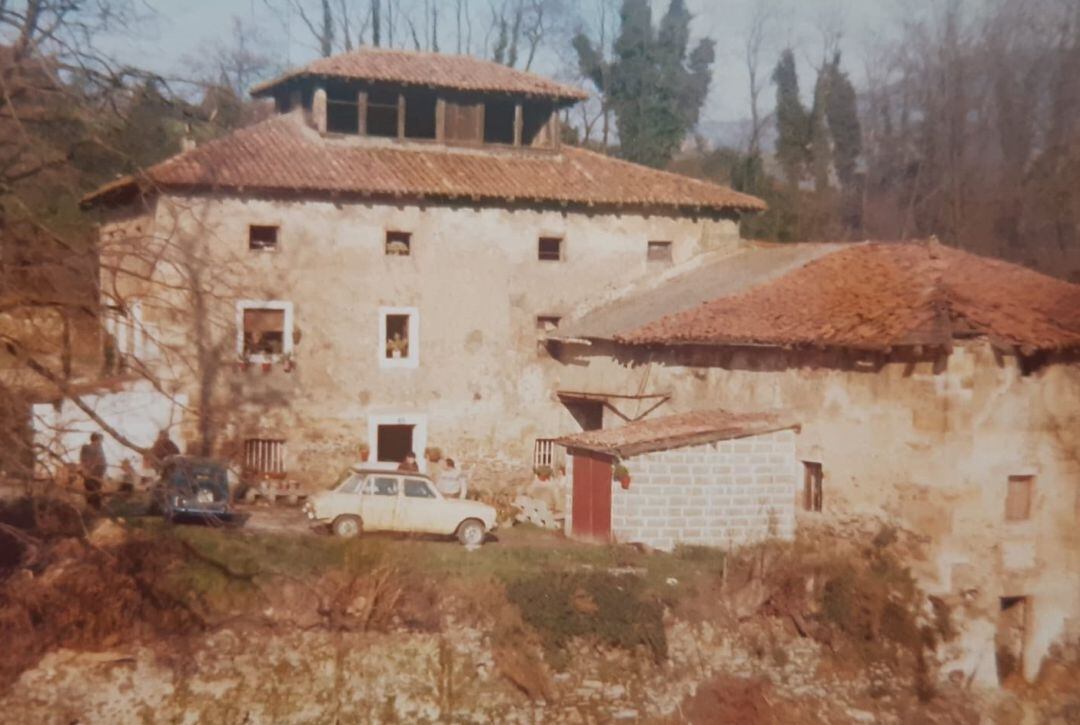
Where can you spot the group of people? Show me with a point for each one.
(449, 480)
(93, 465)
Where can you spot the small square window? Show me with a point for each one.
(1018, 498)
(262, 237)
(547, 323)
(659, 252)
(550, 249)
(398, 244)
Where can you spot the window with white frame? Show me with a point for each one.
(264, 329)
(399, 337)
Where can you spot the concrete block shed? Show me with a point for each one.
(712, 478)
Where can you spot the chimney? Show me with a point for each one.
(318, 110)
(187, 143)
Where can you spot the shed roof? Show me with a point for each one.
(432, 70)
(283, 155)
(677, 431)
(877, 295)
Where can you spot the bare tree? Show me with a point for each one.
(757, 32)
(237, 64)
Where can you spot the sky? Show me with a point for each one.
(174, 31)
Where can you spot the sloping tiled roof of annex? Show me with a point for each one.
(433, 70)
(687, 285)
(877, 295)
(283, 155)
(677, 431)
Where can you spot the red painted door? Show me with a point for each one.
(592, 496)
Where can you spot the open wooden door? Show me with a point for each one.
(592, 496)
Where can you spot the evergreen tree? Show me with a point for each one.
(654, 88)
(792, 121)
(842, 114)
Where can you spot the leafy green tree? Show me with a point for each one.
(653, 85)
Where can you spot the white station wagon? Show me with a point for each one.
(374, 500)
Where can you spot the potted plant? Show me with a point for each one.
(543, 472)
(365, 452)
(433, 454)
(288, 364)
(267, 366)
(397, 346)
(622, 475)
(242, 364)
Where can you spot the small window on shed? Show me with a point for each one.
(1018, 498)
(550, 249)
(398, 244)
(262, 237)
(813, 476)
(659, 252)
(382, 114)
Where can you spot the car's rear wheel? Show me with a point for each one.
(347, 526)
(471, 533)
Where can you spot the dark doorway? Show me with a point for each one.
(1009, 640)
(393, 442)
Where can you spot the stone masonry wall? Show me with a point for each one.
(717, 494)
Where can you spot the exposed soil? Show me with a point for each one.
(727, 699)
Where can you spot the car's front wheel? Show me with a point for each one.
(471, 533)
(347, 526)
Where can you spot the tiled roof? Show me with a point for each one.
(677, 431)
(877, 295)
(434, 70)
(283, 155)
(684, 286)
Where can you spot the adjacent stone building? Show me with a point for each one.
(379, 261)
(935, 389)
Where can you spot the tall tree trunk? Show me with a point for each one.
(376, 25)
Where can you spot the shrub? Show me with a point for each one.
(613, 610)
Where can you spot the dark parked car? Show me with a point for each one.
(192, 488)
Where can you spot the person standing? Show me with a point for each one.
(451, 481)
(408, 464)
(163, 448)
(92, 464)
